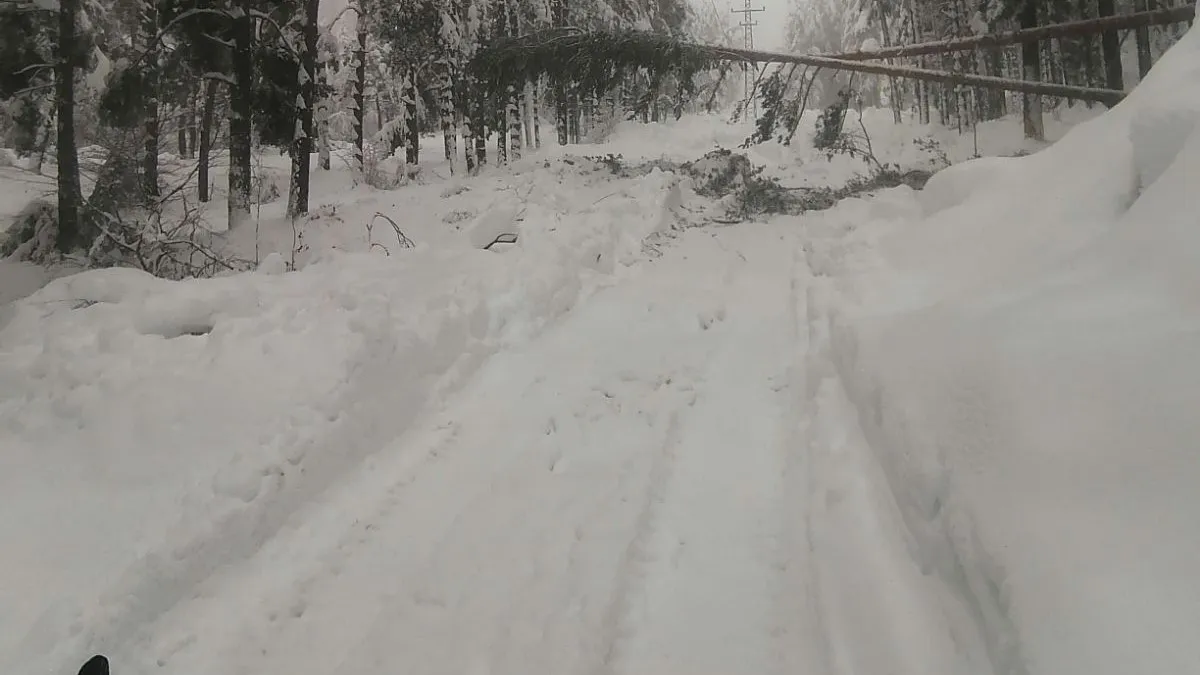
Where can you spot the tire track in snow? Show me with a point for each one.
(878, 608)
(805, 646)
(708, 598)
(634, 558)
(507, 547)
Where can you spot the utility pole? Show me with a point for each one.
(748, 23)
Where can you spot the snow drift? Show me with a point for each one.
(1023, 357)
(154, 431)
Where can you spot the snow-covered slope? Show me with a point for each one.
(938, 433)
(1022, 357)
(153, 431)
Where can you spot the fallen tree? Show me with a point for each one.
(595, 61)
(1158, 17)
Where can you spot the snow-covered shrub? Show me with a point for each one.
(33, 233)
(170, 241)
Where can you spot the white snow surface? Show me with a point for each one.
(1021, 359)
(944, 432)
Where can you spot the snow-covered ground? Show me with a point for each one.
(923, 433)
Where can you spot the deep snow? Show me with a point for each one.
(944, 432)
(1020, 355)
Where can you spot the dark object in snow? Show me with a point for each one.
(506, 238)
(97, 665)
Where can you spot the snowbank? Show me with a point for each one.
(154, 431)
(1023, 362)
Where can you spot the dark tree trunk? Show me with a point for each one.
(446, 105)
(412, 148)
(501, 142)
(1110, 43)
(240, 129)
(536, 114)
(303, 143)
(360, 85)
(70, 196)
(206, 134)
(1031, 64)
(150, 100)
(558, 18)
(1142, 34)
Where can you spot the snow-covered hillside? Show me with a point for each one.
(938, 432)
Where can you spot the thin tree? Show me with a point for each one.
(360, 86)
(1110, 44)
(151, 77)
(298, 191)
(70, 196)
(241, 96)
(207, 113)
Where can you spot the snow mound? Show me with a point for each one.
(1024, 363)
(163, 429)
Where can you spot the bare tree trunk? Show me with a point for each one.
(70, 196)
(378, 110)
(412, 148)
(400, 132)
(1031, 64)
(501, 143)
(514, 124)
(1110, 42)
(181, 133)
(240, 104)
(360, 86)
(446, 103)
(150, 86)
(527, 112)
(894, 85)
(536, 113)
(322, 108)
(1142, 34)
(298, 193)
(324, 153)
(559, 15)
(206, 129)
(469, 130)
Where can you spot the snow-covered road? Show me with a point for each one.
(618, 496)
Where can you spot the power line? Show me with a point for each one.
(748, 23)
